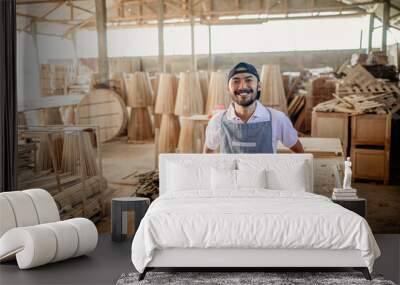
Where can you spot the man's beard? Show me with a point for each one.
(250, 99)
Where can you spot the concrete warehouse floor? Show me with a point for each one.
(121, 159)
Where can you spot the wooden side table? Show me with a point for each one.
(358, 206)
(119, 209)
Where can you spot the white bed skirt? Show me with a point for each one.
(189, 257)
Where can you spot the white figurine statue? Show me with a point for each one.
(347, 174)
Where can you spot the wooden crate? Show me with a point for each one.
(371, 129)
(331, 125)
(370, 164)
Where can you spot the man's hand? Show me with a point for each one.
(208, 150)
(298, 147)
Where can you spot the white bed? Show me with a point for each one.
(214, 224)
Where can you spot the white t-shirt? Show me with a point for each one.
(282, 127)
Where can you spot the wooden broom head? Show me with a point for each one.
(169, 134)
(204, 83)
(154, 81)
(166, 96)
(217, 92)
(138, 89)
(189, 100)
(272, 90)
(139, 125)
(186, 143)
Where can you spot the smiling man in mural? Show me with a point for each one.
(247, 126)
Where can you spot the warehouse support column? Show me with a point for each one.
(385, 24)
(194, 62)
(74, 46)
(210, 59)
(161, 59)
(101, 25)
(36, 45)
(371, 31)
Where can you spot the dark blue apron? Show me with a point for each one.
(247, 137)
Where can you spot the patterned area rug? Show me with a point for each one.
(242, 278)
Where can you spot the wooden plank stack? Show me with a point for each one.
(296, 111)
(48, 154)
(217, 92)
(79, 200)
(78, 190)
(165, 105)
(78, 154)
(272, 91)
(139, 98)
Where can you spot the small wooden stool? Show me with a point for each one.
(119, 209)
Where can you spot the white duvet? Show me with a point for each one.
(253, 218)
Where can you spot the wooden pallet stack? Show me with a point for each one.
(139, 98)
(272, 91)
(77, 193)
(46, 80)
(296, 111)
(79, 80)
(165, 106)
(65, 79)
(319, 89)
(360, 114)
(59, 79)
(189, 102)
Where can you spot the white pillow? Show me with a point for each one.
(182, 177)
(251, 178)
(293, 177)
(190, 176)
(223, 179)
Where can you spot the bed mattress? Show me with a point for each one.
(250, 219)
